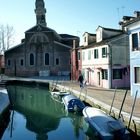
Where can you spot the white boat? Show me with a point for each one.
(57, 95)
(106, 127)
(72, 103)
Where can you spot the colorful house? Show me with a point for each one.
(105, 58)
(132, 26)
(2, 64)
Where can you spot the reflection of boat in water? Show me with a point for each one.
(105, 126)
(57, 95)
(72, 103)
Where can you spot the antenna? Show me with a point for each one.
(118, 12)
(123, 10)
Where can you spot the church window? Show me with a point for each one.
(31, 59)
(47, 59)
(21, 62)
(57, 61)
(9, 62)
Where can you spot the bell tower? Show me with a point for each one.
(40, 12)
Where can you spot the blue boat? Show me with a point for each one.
(73, 104)
(106, 127)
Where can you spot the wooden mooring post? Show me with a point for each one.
(132, 108)
(122, 104)
(113, 100)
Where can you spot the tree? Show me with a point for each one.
(6, 37)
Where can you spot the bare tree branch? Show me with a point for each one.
(6, 37)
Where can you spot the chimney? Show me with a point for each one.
(127, 18)
(74, 44)
(137, 14)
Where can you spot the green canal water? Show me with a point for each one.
(35, 115)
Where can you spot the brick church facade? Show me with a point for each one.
(42, 52)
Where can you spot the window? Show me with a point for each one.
(137, 74)
(104, 74)
(95, 53)
(21, 62)
(117, 73)
(47, 59)
(85, 39)
(78, 55)
(83, 56)
(9, 62)
(57, 61)
(134, 41)
(31, 59)
(89, 55)
(104, 52)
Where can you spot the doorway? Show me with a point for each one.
(99, 78)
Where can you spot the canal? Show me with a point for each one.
(35, 115)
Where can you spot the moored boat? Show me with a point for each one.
(72, 103)
(106, 127)
(57, 95)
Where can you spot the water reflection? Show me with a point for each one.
(37, 116)
(4, 121)
(42, 113)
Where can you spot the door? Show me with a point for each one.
(88, 77)
(99, 78)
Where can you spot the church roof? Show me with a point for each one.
(67, 36)
(15, 47)
(39, 28)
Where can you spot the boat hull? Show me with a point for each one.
(106, 127)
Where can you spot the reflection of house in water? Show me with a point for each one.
(4, 121)
(42, 113)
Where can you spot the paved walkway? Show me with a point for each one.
(105, 97)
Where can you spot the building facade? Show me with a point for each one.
(2, 66)
(105, 61)
(132, 26)
(43, 52)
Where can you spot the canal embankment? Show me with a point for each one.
(4, 100)
(4, 110)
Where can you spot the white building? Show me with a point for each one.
(105, 59)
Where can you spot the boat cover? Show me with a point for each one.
(72, 103)
(104, 124)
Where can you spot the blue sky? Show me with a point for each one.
(67, 16)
